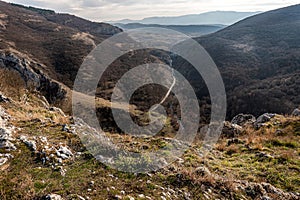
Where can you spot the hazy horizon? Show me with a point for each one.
(113, 10)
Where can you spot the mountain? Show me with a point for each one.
(259, 59)
(208, 18)
(191, 30)
(54, 44)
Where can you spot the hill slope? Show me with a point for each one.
(259, 58)
(191, 30)
(59, 41)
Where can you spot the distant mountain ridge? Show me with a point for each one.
(208, 18)
(191, 30)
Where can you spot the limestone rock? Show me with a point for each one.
(242, 119)
(29, 143)
(231, 130)
(53, 197)
(296, 112)
(261, 120)
(64, 153)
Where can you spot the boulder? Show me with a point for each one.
(242, 119)
(231, 130)
(296, 112)
(261, 120)
(265, 118)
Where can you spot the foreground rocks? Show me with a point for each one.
(6, 132)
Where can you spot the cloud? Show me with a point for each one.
(104, 10)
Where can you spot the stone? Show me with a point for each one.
(130, 197)
(57, 110)
(264, 156)
(296, 112)
(266, 198)
(202, 171)
(231, 130)
(29, 143)
(4, 99)
(53, 197)
(117, 197)
(7, 145)
(64, 153)
(243, 119)
(163, 198)
(3, 161)
(265, 118)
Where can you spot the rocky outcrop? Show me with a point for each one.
(243, 119)
(33, 77)
(6, 132)
(231, 130)
(261, 120)
(296, 112)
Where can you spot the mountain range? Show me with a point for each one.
(208, 18)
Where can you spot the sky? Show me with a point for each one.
(109, 10)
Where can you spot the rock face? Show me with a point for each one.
(296, 112)
(6, 136)
(242, 119)
(28, 70)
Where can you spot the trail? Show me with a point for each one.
(170, 89)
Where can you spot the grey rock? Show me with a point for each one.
(7, 145)
(231, 130)
(202, 171)
(118, 197)
(3, 161)
(296, 112)
(53, 197)
(64, 153)
(6, 134)
(265, 118)
(4, 99)
(264, 156)
(29, 143)
(242, 119)
(57, 110)
(266, 198)
(30, 72)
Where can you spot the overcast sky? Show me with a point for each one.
(106, 10)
